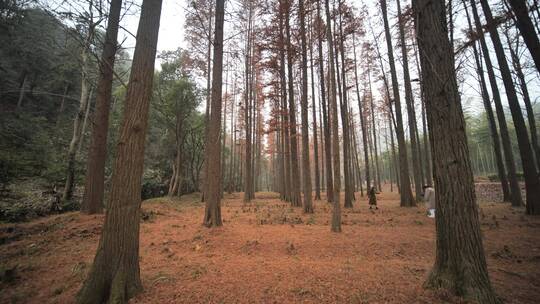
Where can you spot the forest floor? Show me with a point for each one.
(268, 252)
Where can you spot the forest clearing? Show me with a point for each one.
(269, 151)
(269, 252)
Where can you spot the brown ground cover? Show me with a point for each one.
(268, 252)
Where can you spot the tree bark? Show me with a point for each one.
(284, 110)
(326, 123)
(336, 212)
(344, 107)
(248, 177)
(97, 156)
(314, 115)
(212, 214)
(306, 169)
(409, 100)
(115, 275)
(460, 264)
(296, 199)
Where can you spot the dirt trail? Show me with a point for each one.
(268, 252)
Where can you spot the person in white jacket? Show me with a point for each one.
(429, 198)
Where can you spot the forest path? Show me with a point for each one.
(268, 252)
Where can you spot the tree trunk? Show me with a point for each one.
(532, 181)
(406, 197)
(306, 169)
(491, 118)
(207, 108)
(296, 199)
(79, 117)
(394, 156)
(115, 275)
(22, 90)
(349, 192)
(409, 100)
(97, 156)
(314, 115)
(460, 264)
(362, 119)
(336, 212)
(248, 177)
(526, 98)
(212, 214)
(85, 120)
(526, 28)
(284, 110)
(326, 123)
(515, 192)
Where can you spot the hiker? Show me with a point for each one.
(372, 198)
(429, 198)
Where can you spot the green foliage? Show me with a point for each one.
(175, 124)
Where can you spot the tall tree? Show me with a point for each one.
(349, 191)
(491, 118)
(362, 118)
(532, 181)
(115, 275)
(325, 122)
(296, 199)
(212, 214)
(515, 192)
(460, 263)
(336, 212)
(83, 103)
(97, 155)
(284, 111)
(248, 101)
(306, 170)
(409, 100)
(314, 115)
(406, 197)
(518, 68)
(526, 28)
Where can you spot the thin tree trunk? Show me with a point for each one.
(491, 118)
(526, 98)
(22, 90)
(306, 169)
(79, 117)
(85, 120)
(406, 199)
(409, 100)
(362, 119)
(314, 116)
(344, 107)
